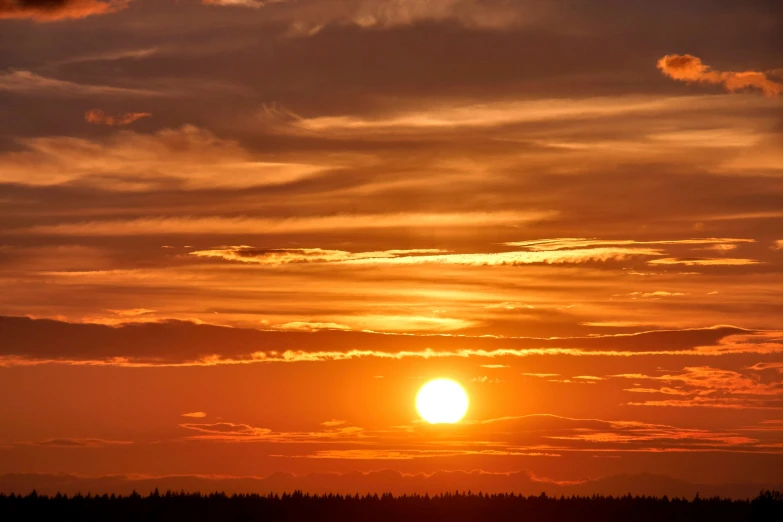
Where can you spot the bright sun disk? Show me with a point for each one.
(442, 401)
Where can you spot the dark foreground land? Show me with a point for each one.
(768, 506)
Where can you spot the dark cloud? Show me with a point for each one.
(53, 10)
(177, 342)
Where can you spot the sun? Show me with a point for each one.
(442, 401)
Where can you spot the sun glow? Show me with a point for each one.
(442, 401)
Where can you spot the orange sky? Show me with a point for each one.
(237, 237)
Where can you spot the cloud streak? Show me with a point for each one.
(187, 156)
(716, 261)
(271, 225)
(281, 256)
(517, 258)
(30, 83)
(419, 256)
(78, 443)
(564, 243)
(98, 117)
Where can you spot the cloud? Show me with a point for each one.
(778, 245)
(187, 156)
(232, 432)
(767, 366)
(310, 326)
(517, 258)
(535, 435)
(241, 3)
(311, 17)
(564, 243)
(98, 117)
(333, 422)
(38, 341)
(26, 82)
(53, 10)
(281, 256)
(689, 68)
(657, 294)
(664, 390)
(416, 256)
(486, 380)
(721, 248)
(411, 454)
(720, 261)
(133, 312)
(78, 443)
(195, 415)
(711, 402)
(271, 225)
(539, 435)
(710, 387)
(445, 117)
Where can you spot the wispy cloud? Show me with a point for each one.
(233, 432)
(518, 258)
(26, 82)
(239, 3)
(484, 379)
(449, 117)
(310, 17)
(715, 261)
(310, 326)
(132, 312)
(78, 442)
(657, 294)
(195, 414)
(252, 225)
(248, 254)
(98, 117)
(767, 366)
(563, 243)
(689, 68)
(131, 161)
(333, 422)
(710, 387)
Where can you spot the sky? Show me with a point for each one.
(237, 236)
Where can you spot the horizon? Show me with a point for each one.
(422, 245)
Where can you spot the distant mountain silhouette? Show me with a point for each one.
(383, 481)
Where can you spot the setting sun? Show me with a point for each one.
(442, 401)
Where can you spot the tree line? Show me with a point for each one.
(447, 507)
